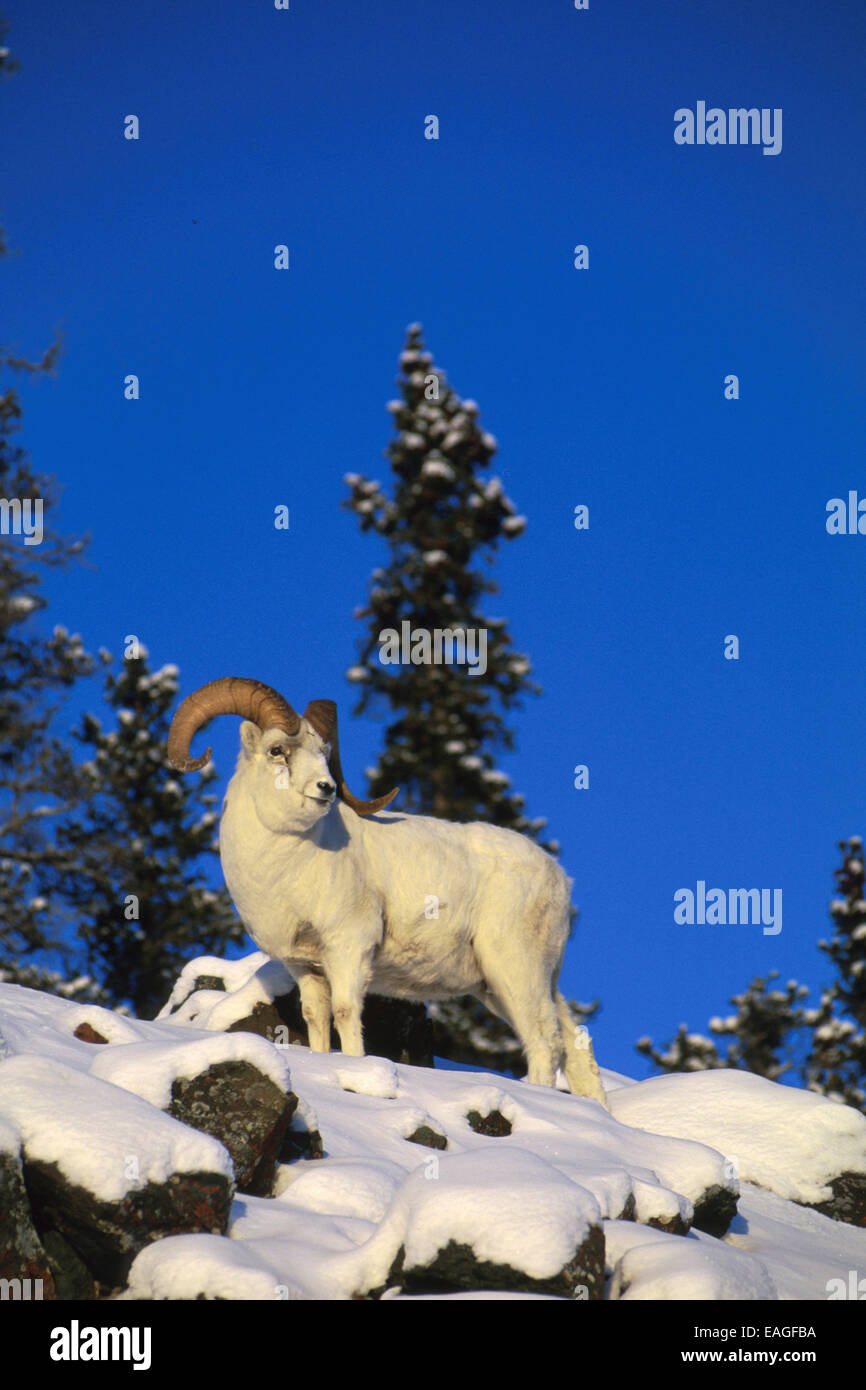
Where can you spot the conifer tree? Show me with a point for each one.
(836, 1064)
(685, 1052)
(60, 874)
(761, 1029)
(767, 1019)
(440, 516)
(38, 779)
(141, 899)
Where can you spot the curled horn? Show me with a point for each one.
(322, 714)
(230, 695)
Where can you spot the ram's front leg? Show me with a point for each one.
(348, 976)
(315, 1006)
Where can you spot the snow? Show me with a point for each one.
(660, 1266)
(148, 1069)
(541, 1216)
(10, 1137)
(22, 603)
(210, 1265)
(335, 1225)
(433, 468)
(368, 1076)
(100, 1138)
(261, 979)
(109, 1025)
(343, 1186)
(789, 1141)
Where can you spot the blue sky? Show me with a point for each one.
(603, 387)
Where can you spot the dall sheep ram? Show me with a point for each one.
(341, 892)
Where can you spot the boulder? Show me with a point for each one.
(23, 1257)
(508, 1221)
(427, 1136)
(393, 1028)
(245, 1110)
(848, 1202)
(493, 1124)
(107, 1235)
(457, 1269)
(105, 1172)
(86, 1033)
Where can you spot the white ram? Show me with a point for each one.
(354, 899)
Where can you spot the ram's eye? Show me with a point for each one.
(276, 751)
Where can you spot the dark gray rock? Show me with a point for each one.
(274, 1021)
(245, 1110)
(107, 1235)
(72, 1279)
(714, 1211)
(493, 1124)
(393, 1028)
(428, 1137)
(848, 1202)
(22, 1254)
(301, 1142)
(456, 1269)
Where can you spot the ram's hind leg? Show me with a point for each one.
(581, 1068)
(528, 1008)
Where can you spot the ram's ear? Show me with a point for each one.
(250, 735)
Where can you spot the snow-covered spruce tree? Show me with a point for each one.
(686, 1052)
(761, 1030)
(766, 1019)
(142, 904)
(38, 779)
(836, 1064)
(763, 1027)
(441, 515)
(8, 63)
(39, 782)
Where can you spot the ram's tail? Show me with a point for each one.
(579, 1064)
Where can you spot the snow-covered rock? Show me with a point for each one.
(792, 1142)
(531, 1191)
